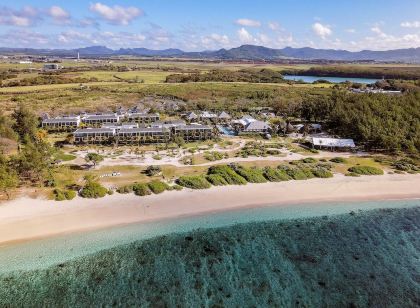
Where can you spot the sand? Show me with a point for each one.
(24, 218)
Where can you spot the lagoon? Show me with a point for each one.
(312, 79)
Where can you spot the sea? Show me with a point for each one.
(312, 79)
(353, 254)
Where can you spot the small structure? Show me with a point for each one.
(143, 135)
(257, 127)
(224, 117)
(191, 116)
(51, 67)
(241, 124)
(94, 135)
(332, 143)
(98, 120)
(207, 116)
(61, 123)
(194, 132)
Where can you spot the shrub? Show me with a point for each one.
(294, 172)
(252, 175)
(352, 174)
(125, 189)
(157, 157)
(366, 170)
(405, 165)
(93, 189)
(153, 170)
(177, 187)
(157, 187)
(275, 175)
(338, 160)
(110, 192)
(70, 194)
(213, 156)
(231, 177)
(194, 182)
(141, 189)
(321, 173)
(216, 180)
(309, 160)
(59, 195)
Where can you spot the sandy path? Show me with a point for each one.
(25, 218)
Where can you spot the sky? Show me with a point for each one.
(211, 24)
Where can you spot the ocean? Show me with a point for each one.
(303, 255)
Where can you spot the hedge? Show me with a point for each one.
(194, 182)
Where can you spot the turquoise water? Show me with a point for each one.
(311, 79)
(247, 258)
(46, 252)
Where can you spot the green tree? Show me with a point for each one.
(8, 177)
(94, 158)
(26, 123)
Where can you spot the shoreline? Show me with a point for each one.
(27, 219)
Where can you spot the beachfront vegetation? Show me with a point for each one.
(92, 188)
(141, 189)
(153, 170)
(61, 195)
(94, 158)
(214, 155)
(194, 182)
(365, 170)
(158, 187)
(228, 173)
(275, 174)
(251, 175)
(338, 160)
(216, 180)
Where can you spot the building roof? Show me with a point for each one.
(101, 117)
(206, 114)
(191, 115)
(94, 131)
(257, 125)
(193, 127)
(224, 115)
(120, 125)
(333, 142)
(142, 115)
(60, 120)
(143, 130)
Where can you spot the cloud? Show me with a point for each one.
(408, 24)
(215, 40)
(275, 26)
(24, 38)
(350, 30)
(117, 15)
(245, 37)
(323, 31)
(59, 15)
(248, 22)
(25, 17)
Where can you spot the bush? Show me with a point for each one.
(294, 172)
(177, 187)
(213, 156)
(153, 170)
(321, 173)
(158, 187)
(110, 192)
(59, 195)
(125, 189)
(366, 170)
(338, 160)
(275, 175)
(194, 182)
(352, 174)
(405, 165)
(93, 189)
(216, 180)
(252, 175)
(141, 189)
(157, 157)
(309, 160)
(230, 176)
(70, 194)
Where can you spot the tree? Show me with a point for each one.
(153, 170)
(8, 177)
(94, 158)
(26, 123)
(179, 141)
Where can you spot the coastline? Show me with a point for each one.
(25, 219)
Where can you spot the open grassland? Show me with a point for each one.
(145, 76)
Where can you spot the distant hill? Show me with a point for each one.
(244, 52)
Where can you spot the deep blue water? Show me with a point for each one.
(354, 254)
(311, 79)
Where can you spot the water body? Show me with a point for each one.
(312, 79)
(345, 254)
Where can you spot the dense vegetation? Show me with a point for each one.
(254, 76)
(46, 79)
(387, 72)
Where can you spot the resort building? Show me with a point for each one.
(98, 119)
(143, 135)
(61, 123)
(194, 132)
(224, 117)
(117, 127)
(191, 116)
(168, 123)
(94, 135)
(257, 127)
(142, 118)
(207, 116)
(332, 143)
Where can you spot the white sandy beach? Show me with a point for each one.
(24, 219)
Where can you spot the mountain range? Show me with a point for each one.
(244, 52)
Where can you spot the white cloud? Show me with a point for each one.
(408, 24)
(59, 15)
(350, 30)
(245, 37)
(214, 41)
(24, 38)
(248, 22)
(323, 31)
(117, 14)
(27, 16)
(274, 25)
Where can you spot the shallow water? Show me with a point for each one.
(357, 259)
(46, 252)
